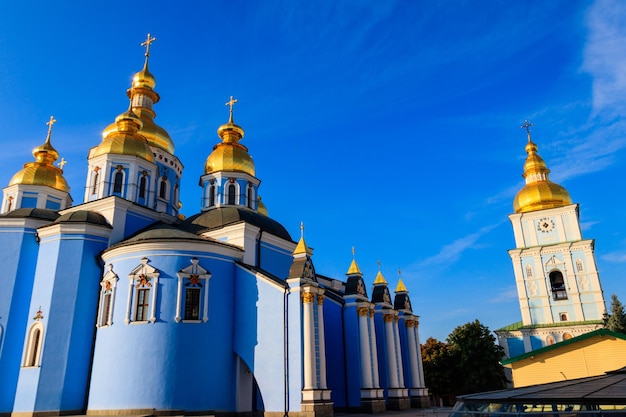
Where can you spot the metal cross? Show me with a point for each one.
(527, 125)
(50, 123)
(147, 43)
(62, 163)
(231, 103)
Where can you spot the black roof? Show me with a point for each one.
(35, 213)
(83, 216)
(223, 216)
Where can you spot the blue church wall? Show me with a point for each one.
(68, 298)
(259, 334)
(275, 260)
(18, 259)
(515, 346)
(536, 342)
(169, 354)
(136, 222)
(335, 352)
(404, 352)
(352, 352)
(111, 176)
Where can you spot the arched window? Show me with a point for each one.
(563, 316)
(10, 203)
(142, 186)
(163, 188)
(557, 284)
(33, 345)
(118, 179)
(231, 194)
(96, 177)
(211, 195)
(250, 195)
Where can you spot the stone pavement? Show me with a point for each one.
(411, 412)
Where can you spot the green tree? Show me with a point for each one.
(477, 357)
(437, 367)
(616, 321)
(469, 362)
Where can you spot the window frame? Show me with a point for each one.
(34, 346)
(108, 286)
(142, 277)
(193, 277)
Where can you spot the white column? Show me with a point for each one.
(392, 371)
(321, 340)
(364, 345)
(413, 353)
(374, 349)
(309, 345)
(398, 354)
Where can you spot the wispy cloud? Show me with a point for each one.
(505, 295)
(451, 252)
(615, 257)
(604, 54)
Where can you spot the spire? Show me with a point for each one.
(302, 247)
(539, 193)
(380, 279)
(354, 268)
(400, 288)
(147, 43)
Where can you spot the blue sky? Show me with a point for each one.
(391, 126)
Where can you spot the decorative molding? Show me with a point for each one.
(307, 297)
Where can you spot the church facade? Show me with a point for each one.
(556, 276)
(121, 306)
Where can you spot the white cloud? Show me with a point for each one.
(615, 257)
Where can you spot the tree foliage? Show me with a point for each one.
(468, 362)
(616, 321)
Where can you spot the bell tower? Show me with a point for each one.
(556, 276)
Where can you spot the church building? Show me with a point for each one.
(119, 305)
(556, 276)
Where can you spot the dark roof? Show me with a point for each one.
(609, 388)
(224, 216)
(34, 213)
(520, 325)
(162, 232)
(83, 216)
(585, 336)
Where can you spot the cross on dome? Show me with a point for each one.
(231, 103)
(62, 163)
(147, 43)
(50, 123)
(527, 125)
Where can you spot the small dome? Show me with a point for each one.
(261, 208)
(229, 157)
(125, 139)
(38, 173)
(144, 78)
(83, 216)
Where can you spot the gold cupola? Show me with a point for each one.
(143, 97)
(229, 155)
(539, 193)
(261, 208)
(125, 139)
(354, 269)
(43, 171)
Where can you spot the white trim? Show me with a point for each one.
(110, 277)
(143, 270)
(186, 273)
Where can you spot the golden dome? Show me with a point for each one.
(354, 268)
(42, 171)
(261, 207)
(539, 192)
(125, 139)
(229, 155)
(143, 96)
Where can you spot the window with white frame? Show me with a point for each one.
(212, 190)
(32, 354)
(142, 293)
(192, 303)
(107, 297)
(118, 180)
(232, 193)
(163, 188)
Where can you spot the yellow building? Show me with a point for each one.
(590, 354)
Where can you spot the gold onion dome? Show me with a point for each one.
(261, 207)
(354, 269)
(143, 85)
(229, 155)
(126, 139)
(539, 192)
(42, 171)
